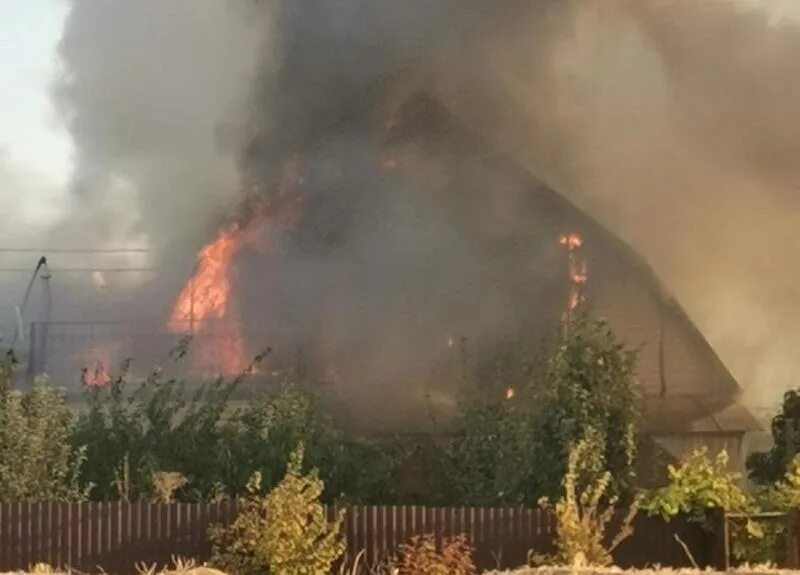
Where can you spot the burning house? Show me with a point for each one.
(386, 248)
(425, 184)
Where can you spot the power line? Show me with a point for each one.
(76, 250)
(80, 270)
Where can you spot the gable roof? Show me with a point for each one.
(709, 409)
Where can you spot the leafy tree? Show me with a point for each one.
(516, 450)
(36, 459)
(284, 533)
(767, 467)
(589, 384)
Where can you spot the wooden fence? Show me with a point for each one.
(117, 536)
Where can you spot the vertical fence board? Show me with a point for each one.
(5, 545)
(164, 534)
(16, 530)
(193, 520)
(52, 532)
(98, 528)
(74, 518)
(33, 532)
(65, 520)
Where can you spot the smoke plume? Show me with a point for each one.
(671, 122)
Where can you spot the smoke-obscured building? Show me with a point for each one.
(419, 238)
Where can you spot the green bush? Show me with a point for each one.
(698, 485)
(36, 459)
(284, 533)
(135, 430)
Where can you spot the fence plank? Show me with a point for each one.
(115, 536)
(792, 541)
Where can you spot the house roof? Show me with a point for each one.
(709, 410)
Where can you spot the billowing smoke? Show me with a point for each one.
(153, 96)
(674, 123)
(669, 121)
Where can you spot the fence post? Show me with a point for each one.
(792, 534)
(720, 548)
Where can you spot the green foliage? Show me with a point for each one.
(420, 556)
(515, 451)
(585, 509)
(769, 466)
(769, 546)
(284, 533)
(262, 434)
(701, 485)
(590, 384)
(786, 493)
(36, 460)
(133, 431)
(487, 455)
(697, 486)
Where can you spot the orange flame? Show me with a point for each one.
(578, 273)
(572, 241)
(510, 393)
(97, 377)
(95, 372)
(207, 296)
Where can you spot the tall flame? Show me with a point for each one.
(578, 272)
(207, 296)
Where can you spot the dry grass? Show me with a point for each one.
(757, 570)
(183, 567)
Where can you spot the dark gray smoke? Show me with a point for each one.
(153, 95)
(670, 122)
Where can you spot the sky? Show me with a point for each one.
(34, 149)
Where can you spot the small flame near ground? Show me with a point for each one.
(96, 370)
